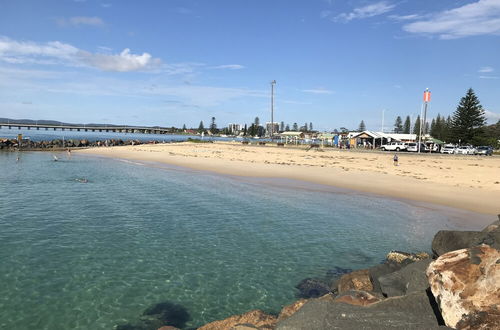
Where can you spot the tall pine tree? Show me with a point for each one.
(416, 127)
(468, 120)
(407, 125)
(362, 126)
(398, 125)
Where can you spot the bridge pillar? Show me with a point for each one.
(38, 128)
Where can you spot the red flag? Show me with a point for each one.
(427, 96)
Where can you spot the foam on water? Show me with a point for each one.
(93, 255)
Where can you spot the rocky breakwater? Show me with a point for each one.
(58, 144)
(456, 288)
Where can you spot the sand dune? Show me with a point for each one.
(467, 182)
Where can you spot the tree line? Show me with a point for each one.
(467, 125)
(255, 129)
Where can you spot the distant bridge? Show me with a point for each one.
(84, 128)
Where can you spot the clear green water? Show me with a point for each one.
(93, 255)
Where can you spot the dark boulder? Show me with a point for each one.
(312, 288)
(381, 270)
(447, 240)
(412, 311)
(410, 278)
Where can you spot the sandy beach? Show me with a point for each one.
(466, 182)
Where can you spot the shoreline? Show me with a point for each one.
(349, 170)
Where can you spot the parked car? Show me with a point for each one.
(448, 149)
(485, 150)
(394, 146)
(413, 147)
(466, 150)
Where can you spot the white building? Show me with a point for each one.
(234, 128)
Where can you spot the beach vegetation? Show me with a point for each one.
(295, 127)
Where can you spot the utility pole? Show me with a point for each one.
(272, 108)
(382, 128)
(423, 120)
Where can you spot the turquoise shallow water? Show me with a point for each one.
(93, 255)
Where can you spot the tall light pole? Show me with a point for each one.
(383, 113)
(272, 108)
(423, 120)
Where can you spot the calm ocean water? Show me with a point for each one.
(93, 255)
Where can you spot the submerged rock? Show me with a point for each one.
(408, 279)
(447, 240)
(466, 285)
(312, 288)
(159, 316)
(169, 313)
(253, 319)
(358, 280)
(412, 311)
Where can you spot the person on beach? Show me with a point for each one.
(395, 160)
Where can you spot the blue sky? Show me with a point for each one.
(176, 62)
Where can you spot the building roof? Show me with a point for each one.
(392, 136)
(292, 133)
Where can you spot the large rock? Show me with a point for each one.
(412, 311)
(358, 280)
(381, 270)
(291, 309)
(256, 318)
(466, 285)
(405, 257)
(358, 298)
(445, 240)
(408, 279)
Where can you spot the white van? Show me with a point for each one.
(394, 146)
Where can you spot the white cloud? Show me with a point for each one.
(486, 69)
(488, 77)
(229, 66)
(404, 17)
(367, 11)
(474, 19)
(106, 5)
(318, 91)
(81, 20)
(56, 52)
(123, 62)
(492, 116)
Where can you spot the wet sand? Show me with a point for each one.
(466, 182)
